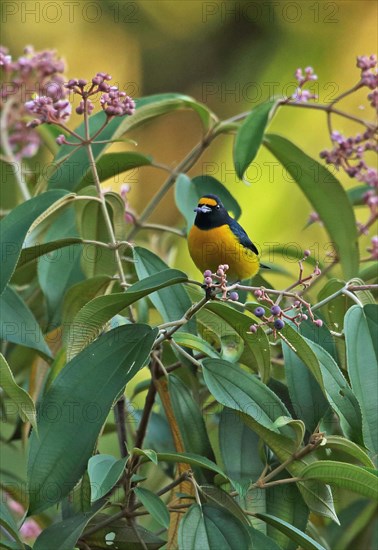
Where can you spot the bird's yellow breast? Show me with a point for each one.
(212, 247)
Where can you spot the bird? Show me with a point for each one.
(217, 239)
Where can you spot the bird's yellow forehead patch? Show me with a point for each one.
(207, 201)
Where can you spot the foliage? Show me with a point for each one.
(259, 425)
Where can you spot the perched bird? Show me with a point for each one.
(216, 238)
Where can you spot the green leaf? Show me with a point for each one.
(150, 454)
(241, 391)
(323, 191)
(306, 542)
(208, 527)
(32, 253)
(187, 458)
(189, 191)
(250, 135)
(305, 393)
(120, 535)
(361, 335)
(58, 272)
(92, 317)
(116, 207)
(70, 171)
(79, 295)
(172, 303)
(256, 352)
(194, 342)
(348, 476)
(189, 419)
(343, 445)
(261, 541)
(18, 324)
(212, 493)
(75, 407)
(239, 447)
(112, 164)
(286, 502)
(339, 394)
(154, 505)
(104, 472)
(15, 226)
(8, 524)
(64, 534)
(21, 398)
(302, 349)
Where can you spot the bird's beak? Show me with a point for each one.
(203, 209)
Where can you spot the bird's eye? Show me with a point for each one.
(217, 207)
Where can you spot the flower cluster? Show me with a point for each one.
(348, 153)
(301, 95)
(373, 249)
(221, 282)
(39, 73)
(369, 75)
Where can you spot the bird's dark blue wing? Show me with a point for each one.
(242, 235)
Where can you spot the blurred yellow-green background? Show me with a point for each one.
(229, 54)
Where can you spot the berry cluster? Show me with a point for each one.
(275, 316)
(221, 277)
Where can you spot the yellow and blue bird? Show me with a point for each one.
(216, 238)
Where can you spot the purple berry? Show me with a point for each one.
(207, 273)
(259, 311)
(234, 296)
(306, 253)
(208, 280)
(275, 310)
(279, 324)
(258, 293)
(253, 328)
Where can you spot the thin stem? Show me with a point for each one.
(352, 297)
(185, 353)
(104, 209)
(11, 159)
(330, 109)
(159, 227)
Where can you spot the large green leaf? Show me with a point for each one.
(24, 403)
(104, 471)
(89, 321)
(154, 505)
(250, 135)
(239, 447)
(306, 542)
(32, 253)
(261, 541)
(339, 393)
(18, 324)
(208, 527)
(361, 335)
(323, 191)
(57, 272)
(112, 164)
(348, 476)
(64, 534)
(70, 171)
(342, 445)
(189, 191)
(256, 352)
(172, 303)
(15, 226)
(189, 419)
(241, 391)
(75, 407)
